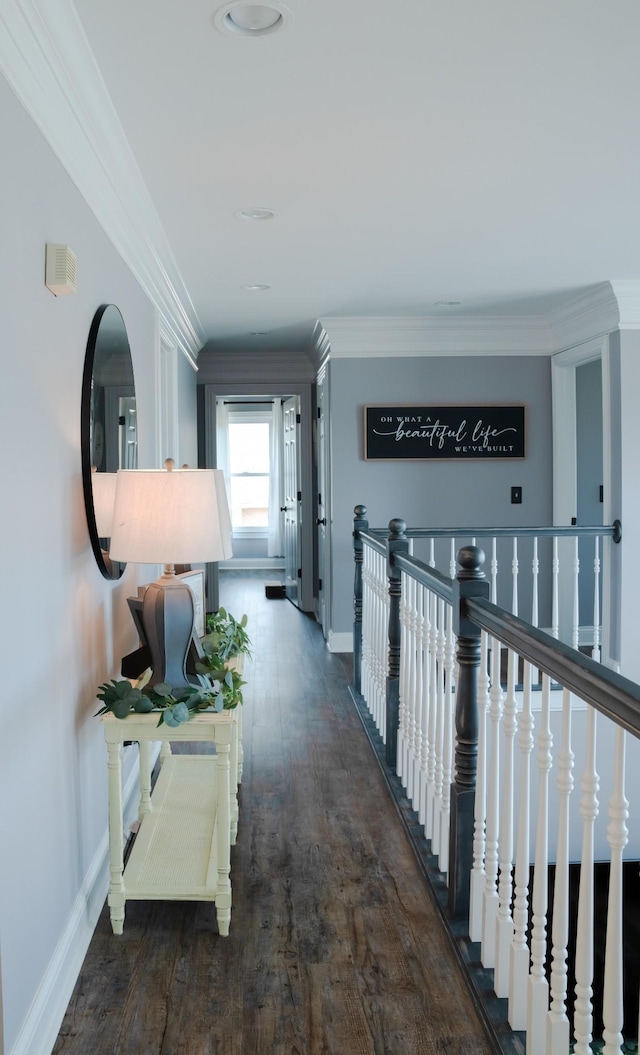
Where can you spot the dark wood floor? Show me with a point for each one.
(335, 946)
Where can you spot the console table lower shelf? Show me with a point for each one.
(182, 849)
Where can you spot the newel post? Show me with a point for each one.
(396, 543)
(360, 523)
(470, 582)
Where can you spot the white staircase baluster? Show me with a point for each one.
(433, 692)
(504, 928)
(447, 749)
(404, 673)
(478, 874)
(366, 614)
(535, 592)
(425, 708)
(411, 702)
(369, 609)
(538, 990)
(595, 651)
(490, 908)
(373, 603)
(437, 791)
(617, 834)
(535, 573)
(583, 1013)
(519, 956)
(514, 576)
(419, 731)
(557, 1020)
(384, 646)
(383, 650)
(453, 566)
(575, 640)
(555, 602)
(379, 646)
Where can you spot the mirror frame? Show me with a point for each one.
(108, 569)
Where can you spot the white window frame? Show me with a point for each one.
(249, 417)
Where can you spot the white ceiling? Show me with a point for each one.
(413, 152)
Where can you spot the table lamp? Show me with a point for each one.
(103, 488)
(171, 516)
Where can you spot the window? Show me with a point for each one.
(249, 472)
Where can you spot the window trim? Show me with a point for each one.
(248, 417)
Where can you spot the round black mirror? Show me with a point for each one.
(109, 434)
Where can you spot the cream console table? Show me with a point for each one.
(187, 826)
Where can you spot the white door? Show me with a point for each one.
(291, 490)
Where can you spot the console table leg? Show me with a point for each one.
(233, 785)
(117, 897)
(240, 747)
(145, 778)
(223, 887)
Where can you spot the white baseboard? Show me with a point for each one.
(41, 1026)
(247, 563)
(340, 642)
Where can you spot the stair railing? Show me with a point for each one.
(496, 800)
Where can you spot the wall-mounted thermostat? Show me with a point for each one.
(61, 270)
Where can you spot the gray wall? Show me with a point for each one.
(438, 494)
(64, 627)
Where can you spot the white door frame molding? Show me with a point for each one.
(565, 489)
(167, 415)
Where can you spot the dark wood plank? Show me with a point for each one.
(335, 945)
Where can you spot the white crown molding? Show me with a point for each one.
(592, 313)
(627, 293)
(353, 337)
(267, 368)
(46, 58)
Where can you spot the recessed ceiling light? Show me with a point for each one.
(255, 214)
(258, 286)
(251, 19)
(448, 303)
(259, 333)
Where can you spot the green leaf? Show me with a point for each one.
(121, 708)
(143, 705)
(169, 718)
(162, 689)
(180, 713)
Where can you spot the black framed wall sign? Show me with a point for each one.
(399, 433)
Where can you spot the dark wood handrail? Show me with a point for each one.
(613, 531)
(376, 541)
(436, 581)
(613, 695)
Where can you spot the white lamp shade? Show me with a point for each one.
(225, 516)
(165, 517)
(103, 489)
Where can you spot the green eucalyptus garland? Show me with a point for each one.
(220, 688)
(121, 698)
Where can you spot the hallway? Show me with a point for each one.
(335, 945)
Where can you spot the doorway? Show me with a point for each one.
(295, 495)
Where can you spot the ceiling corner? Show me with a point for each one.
(48, 62)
